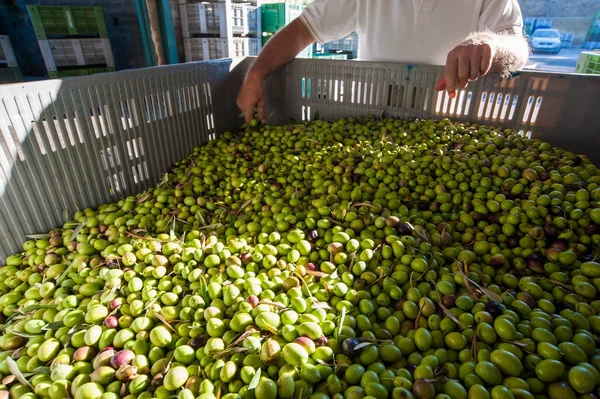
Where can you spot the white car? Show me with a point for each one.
(545, 40)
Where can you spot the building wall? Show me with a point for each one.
(121, 23)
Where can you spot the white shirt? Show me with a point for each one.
(409, 31)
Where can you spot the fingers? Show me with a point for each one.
(441, 84)
(261, 110)
(487, 57)
(248, 116)
(464, 65)
(475, 67)
(243, 106)
(451, 74)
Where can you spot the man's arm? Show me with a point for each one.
(282, 48)
(483, 52)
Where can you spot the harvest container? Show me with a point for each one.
(7, 55)
(277, 15)
(217, 18)
(204, 49)
(64, 21)
(588, 63)
(60, 54)
(76, 143)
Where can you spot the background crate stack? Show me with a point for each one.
(330, 56)
(592, 39)
(73, 40)
(9, 69)
(220, 29)
(528, 26)
(566, 39)
(346, 45)
(588, 63)
(277, 15)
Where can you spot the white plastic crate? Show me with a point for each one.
(566, 40)
(203, 49)
(59, 53)
(56, 134)
(217, 18)
(7, 55)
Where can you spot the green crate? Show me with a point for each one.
(265, 38)
(277, 15)
(588, 63)
(67, 73)
(66, 21)
(10, 75)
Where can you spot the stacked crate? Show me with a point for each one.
(566, 39)
(220, 29)
(592, 39)
(9, 69)
(528, 26)
(73, 40)
(588, 63)
(277, 15)
(347, 45)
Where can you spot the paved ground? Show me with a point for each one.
(565, 61)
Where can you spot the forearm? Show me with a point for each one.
(282, 48)
(512, 50)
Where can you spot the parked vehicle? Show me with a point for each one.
(545, 40)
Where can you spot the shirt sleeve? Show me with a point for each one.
(329, 20)
(501, 15)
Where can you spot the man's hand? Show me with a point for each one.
(467, 62)
(283, 47)
(252, 96)
(483, 52)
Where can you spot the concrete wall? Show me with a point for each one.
(121, 23)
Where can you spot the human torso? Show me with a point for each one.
(414, 31)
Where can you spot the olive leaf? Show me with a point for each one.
(20, 334)
(31, 308)
(229, 351)
(445, 310)
(242, 337)
(420, 234)
(37, 236)
(211, 226)
(342, 317)
(165, 322)
(254, 381)
(362, 345)
(14, 370)
(42, 370)
(142, 198)
(78, 229)
(561, 285)
(492, 295)
(64, 274)
(204, 289)
(53, 326)
(244, 205)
